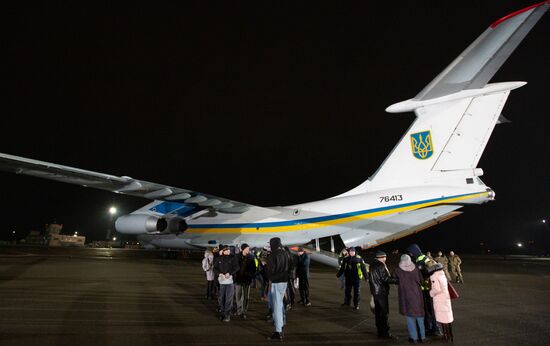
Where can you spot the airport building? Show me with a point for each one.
(52, 237)
(66, 240)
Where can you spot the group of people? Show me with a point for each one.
(229, 276)
(424, 289)
(423, 295)
(451, 265)
(275, 270)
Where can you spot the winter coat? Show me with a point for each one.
(411, 300)
(277, 266)
(379, 278)
(422, 261)
(353, 268)
(247, 269)
(208, 265)
(441, 299)
(292, 265)
(455, 261)
(225, 264)
(443, 260)
(302, 267)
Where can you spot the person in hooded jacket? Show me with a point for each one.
(225, 268)
(208, 268)
(277, 272)
(442, 300)
(411, 301)
(423, 263)
(379, 282)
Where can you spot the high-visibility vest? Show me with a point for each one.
(359, 271)
(426, 284)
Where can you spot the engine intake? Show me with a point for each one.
(140, 224)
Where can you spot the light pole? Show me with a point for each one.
(545, 236)
(112, 213)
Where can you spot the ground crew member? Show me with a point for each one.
(455, 267)
(379, 280)
(441, 258)
(342, 279)
(354, 269)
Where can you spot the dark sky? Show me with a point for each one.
(264, 103)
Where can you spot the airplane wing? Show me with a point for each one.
(474, 67)
(123, 185)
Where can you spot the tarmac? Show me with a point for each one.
(134, 297)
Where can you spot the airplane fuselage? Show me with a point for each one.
(299, 224)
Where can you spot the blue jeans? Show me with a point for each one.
(412, 322)
(278, 290)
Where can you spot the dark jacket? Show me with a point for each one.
(302, 267)
(380, 279)
(292, 265)
(277, 262)
(411, 301)
(225, 264)
(353, 268)
(247, 269)
(423, 263)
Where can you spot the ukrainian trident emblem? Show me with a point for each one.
(421, 144)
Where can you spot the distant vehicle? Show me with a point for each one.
(430, 174)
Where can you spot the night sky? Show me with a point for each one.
(263, 103)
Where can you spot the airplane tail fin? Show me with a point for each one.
(456, 112)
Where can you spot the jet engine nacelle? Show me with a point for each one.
(143, 224)
(140, 224)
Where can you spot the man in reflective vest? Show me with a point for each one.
(354, 269)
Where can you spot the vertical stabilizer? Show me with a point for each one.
(456, 112)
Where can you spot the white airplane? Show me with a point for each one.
(430, 174)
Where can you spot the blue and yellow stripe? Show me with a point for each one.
(324, 221)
